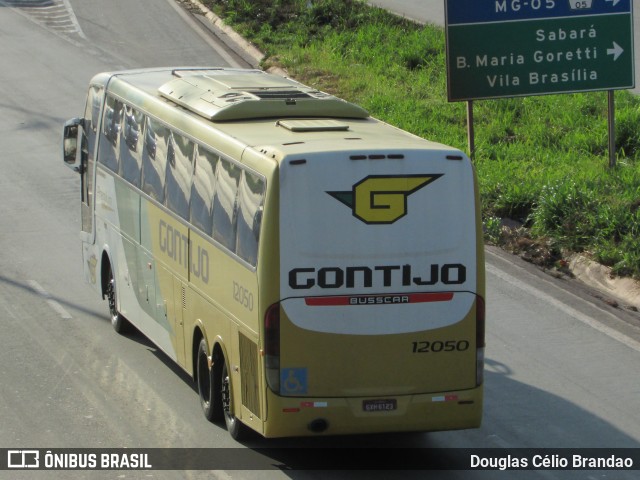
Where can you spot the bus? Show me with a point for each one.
(315, 270)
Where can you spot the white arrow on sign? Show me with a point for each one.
(616, 51)
(615, 2)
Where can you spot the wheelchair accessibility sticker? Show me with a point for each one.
(293, 381)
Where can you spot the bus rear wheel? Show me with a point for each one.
(208, 384)
(118, 322)
(235, 427)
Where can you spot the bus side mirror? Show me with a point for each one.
(70, 140)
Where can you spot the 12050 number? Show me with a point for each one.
(243, 296)
(440, 346)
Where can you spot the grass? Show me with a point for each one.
(542, 161)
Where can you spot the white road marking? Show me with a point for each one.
(610, 332)
(59, 309)
(57, 16)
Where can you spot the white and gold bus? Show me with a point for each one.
(316, 270)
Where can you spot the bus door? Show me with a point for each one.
(89, 136)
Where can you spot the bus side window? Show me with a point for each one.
(179, 173)
(225, 205)
(93, 107)
(131, 147)
(111, 124)
(154, 159)
(202, 189)
(251, 202)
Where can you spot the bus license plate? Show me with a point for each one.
(379, 405)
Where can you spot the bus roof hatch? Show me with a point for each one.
(222, 95)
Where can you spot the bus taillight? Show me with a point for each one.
(272, 346)
(480, 342)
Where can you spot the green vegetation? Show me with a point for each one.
(542, 161)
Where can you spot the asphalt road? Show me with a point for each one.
(561, 365)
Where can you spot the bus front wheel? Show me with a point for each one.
(118, 322)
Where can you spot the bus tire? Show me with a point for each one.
(208, 385)
(235, 427)
(118, 322)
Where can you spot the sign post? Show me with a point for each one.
(510, 48)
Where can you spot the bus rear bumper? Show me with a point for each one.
(298, 416)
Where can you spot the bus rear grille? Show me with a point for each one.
(249, 375)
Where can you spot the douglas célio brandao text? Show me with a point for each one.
(550, 461)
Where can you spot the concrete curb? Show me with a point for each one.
(234, 40)
(249, 49)
(599, 277)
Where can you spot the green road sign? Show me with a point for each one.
(540, 56)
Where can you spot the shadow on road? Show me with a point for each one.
(520, 420)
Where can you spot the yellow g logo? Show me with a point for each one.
(382, 199)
